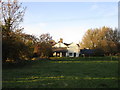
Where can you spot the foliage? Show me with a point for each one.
(45, 50)
(12, 14)
(99, 52)
(105, 39)
(15, 44)
(14, 48)
(30, 41)
(45, 37)
(44, 46)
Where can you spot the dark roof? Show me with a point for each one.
(59, 49)
(87, 51)
(78, 45)
(71, 43)
(66, 44)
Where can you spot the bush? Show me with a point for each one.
(99, 52)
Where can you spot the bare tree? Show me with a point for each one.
(12, 14)
(45, 37)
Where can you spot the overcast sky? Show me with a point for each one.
(68, 20)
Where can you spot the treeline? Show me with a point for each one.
(16, 45)
(104, 40)
(19, 46)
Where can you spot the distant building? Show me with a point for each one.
(61, 49)
(87, 52)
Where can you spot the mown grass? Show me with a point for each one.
(63, 74)
(106, 58)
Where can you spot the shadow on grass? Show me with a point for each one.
(44, 73)
(22, 63)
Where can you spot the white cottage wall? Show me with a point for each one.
(73, 50)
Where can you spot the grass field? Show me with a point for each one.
(64, 73)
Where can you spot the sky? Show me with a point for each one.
(68, 20)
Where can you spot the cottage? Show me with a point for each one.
(66, 50)
(59, 49)
(73, 50)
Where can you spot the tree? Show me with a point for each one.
(12, 15)
(104, 38)
(89, 40)
(45, 45)
(45, 37)
(30, 41)
(45, 50)
(52, 42)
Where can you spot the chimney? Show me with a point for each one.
(61, 40)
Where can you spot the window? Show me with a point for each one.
(74, 54)
(70, 54)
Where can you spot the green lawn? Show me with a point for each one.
(63, 74)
